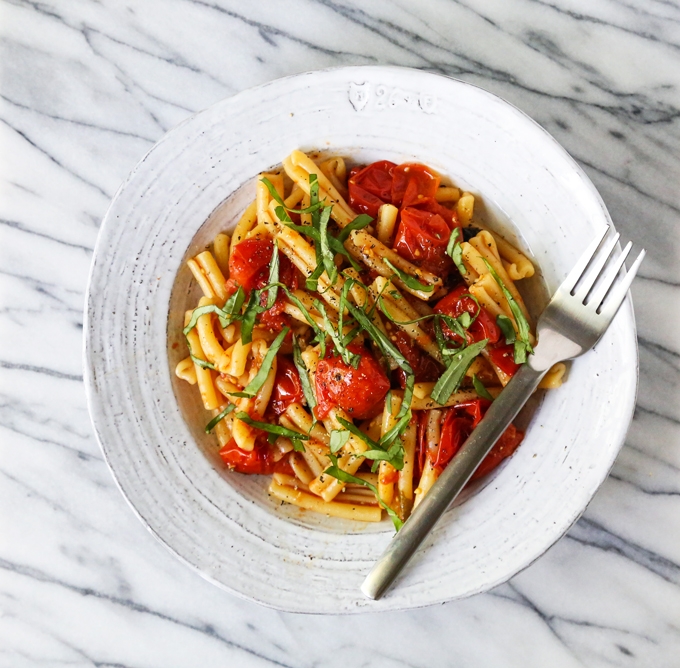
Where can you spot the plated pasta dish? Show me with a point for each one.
(354, 329)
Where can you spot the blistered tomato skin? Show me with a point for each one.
(249, 262)
(413, 184)
(359, 392)
(457, 302)
(259, 461)
(422, 238)
(371, 187)
(287, 387)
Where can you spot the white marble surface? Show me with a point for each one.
(86, 89)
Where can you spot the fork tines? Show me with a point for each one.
(594, 278)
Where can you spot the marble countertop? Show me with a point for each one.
(87, 88)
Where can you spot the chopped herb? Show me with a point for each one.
(450, 380)
(275, 195)
(273, 290)
(351, 428)
(202, 363)
(327, 257)
(522, 344)
(202, 310)
(256, 383)
(455, 251)
(408, 280)
(480, 389)
(336, 472)
(218, 418)
(297, 445)
(304, 376)
(274, 429)
(506, 327)
(339, 438)
(348, 357)
(361, 221)
(253, 309)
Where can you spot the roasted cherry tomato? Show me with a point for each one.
(259, 461)
(249, 262)
(426, 370)
(413, 184)
(371, 187)
(274, 319)
(287, 386)
(422, 238)
(360, 392)
(504, 358)
(505, 446)
(454, 431)
(456, 303)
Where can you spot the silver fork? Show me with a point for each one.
(573, 322)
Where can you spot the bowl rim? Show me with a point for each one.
(93, 398)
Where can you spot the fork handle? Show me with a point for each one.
(449, 484)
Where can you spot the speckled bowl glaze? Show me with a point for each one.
(196, 182)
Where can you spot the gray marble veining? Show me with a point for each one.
(87, 87)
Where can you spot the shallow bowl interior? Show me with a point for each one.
(196, 182)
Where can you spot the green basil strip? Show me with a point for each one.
(334, 243)
(256, 383)
(202, 363)
(313, 190)
(202, 310)
(353, 429)
(297, 445)
(381, 304)
(455, 251)
(399, 428)
(361, 221)
(326, 256)
(282, 215)
(312, 281)
(408, 280)
(271, 428)
(381, 340)
(339, 438)
(273, 290)
(480, 389)
(506, 326)
(394, 456)
(218, 418)
(279, 200)
(336, 472)
(349, 358)
(253, 309)
(450, 380)
(522, 345)
(304, 377)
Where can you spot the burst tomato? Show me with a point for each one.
(458, 424)
(360, 392)
(413, 183)
(453, 434)
(249, 265)
(258, 461)
(505, 446)
(371, 187)
(249, 262)
(424, 367)
(422, 238)
(504, 358)
(459, 301)
(287, 387)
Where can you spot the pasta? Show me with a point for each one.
(353, 330)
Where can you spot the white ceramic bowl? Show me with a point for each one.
(150, 426)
